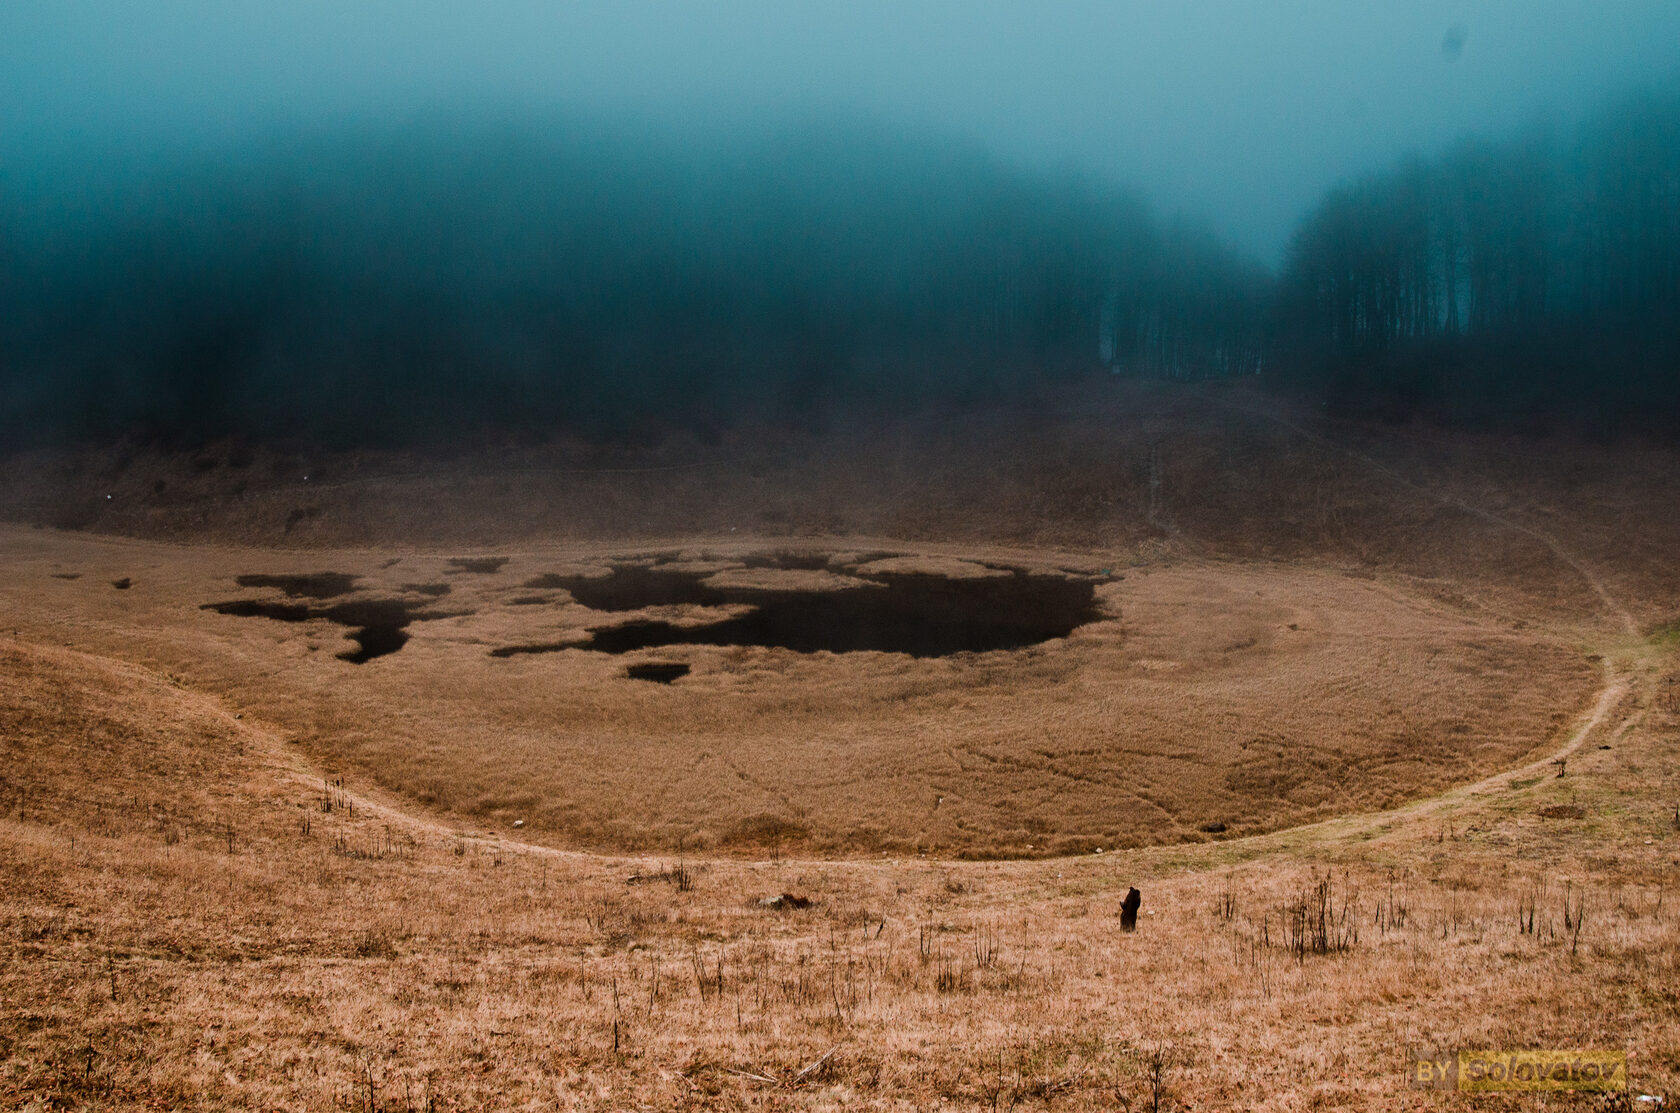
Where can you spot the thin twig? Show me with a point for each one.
(800, 1077)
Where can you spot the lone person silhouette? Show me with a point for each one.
(1129, 910)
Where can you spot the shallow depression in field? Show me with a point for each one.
(861, 696)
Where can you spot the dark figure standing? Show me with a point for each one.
(1129, 909)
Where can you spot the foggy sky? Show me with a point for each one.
(1240, 113)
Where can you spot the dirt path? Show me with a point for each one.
(295, 770)
(1608, 601)
(1616, 688)
(289, 766)
(1618, 675)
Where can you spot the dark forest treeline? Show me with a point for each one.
(404, 285)
(1533, 282)
(408, 285)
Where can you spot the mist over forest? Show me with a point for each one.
(397, 284)
(1530, 281)
(409, 278)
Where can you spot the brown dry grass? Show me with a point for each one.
(186, 926)
(193, 918)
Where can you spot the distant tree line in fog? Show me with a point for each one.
(1528, 283)
(408, 285)
(396, 286)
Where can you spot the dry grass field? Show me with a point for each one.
(239, 871)
(1206, 700)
